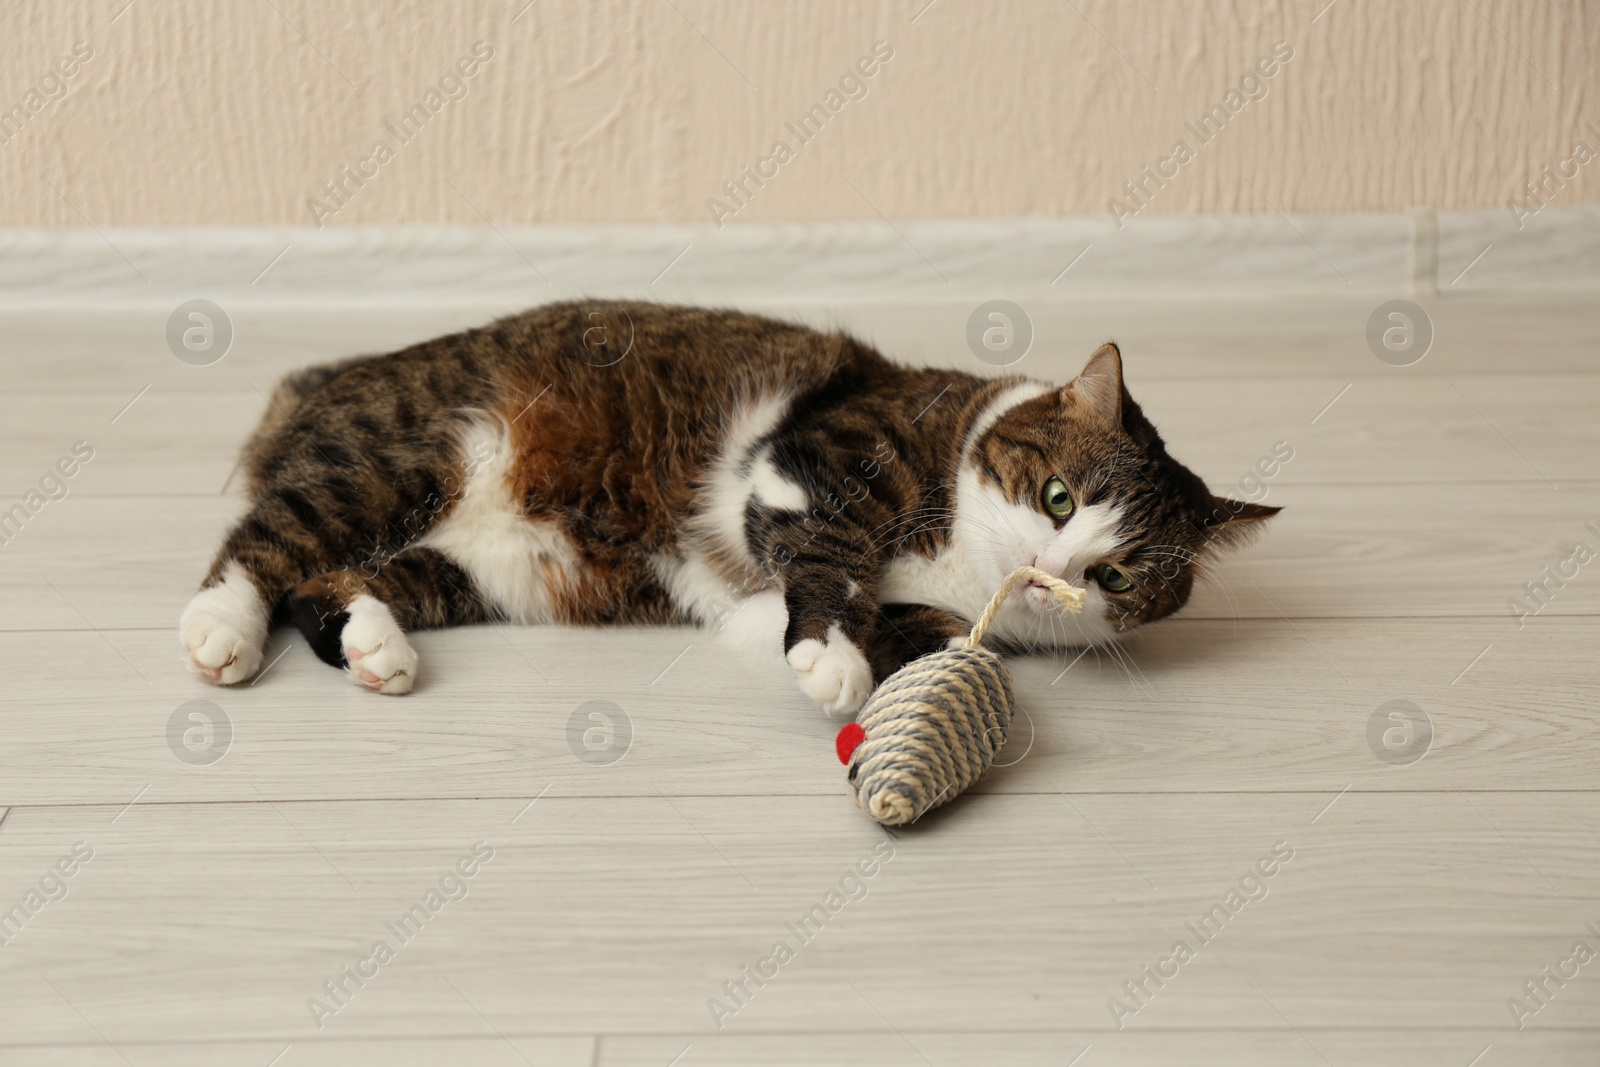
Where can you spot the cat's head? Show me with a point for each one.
(1075, 481)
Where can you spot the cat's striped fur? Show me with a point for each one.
(593, 463)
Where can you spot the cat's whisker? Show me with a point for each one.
(888, 527)
(1116, 658)
(1136, 675)
(898, 519)
(1221, 583)
(925, 527)
(1059, 635)
(910, 516)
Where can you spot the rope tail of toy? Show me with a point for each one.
(1067, 595)
(934, 726)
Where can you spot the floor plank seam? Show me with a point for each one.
(533, 1035)
(821, 795)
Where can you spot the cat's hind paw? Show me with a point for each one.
(833, 672)
(224, 630)
(376, 651)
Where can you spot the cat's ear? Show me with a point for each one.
(1098, 387)
(1235, 523)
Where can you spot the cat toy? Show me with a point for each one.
(934, 726)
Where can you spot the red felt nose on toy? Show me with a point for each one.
(849, 737)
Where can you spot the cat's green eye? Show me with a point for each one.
(1055, 498)
(1111, 579)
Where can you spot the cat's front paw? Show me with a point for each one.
(376, 651)
(224, 630)
(833, 672)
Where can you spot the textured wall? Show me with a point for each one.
(238, 111)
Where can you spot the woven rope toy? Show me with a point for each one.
(933, 727)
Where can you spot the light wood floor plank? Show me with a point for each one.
(1196, 706)
(1209, 1047)
(1003, 914)
(511, 1050)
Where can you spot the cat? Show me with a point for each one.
(627, 463)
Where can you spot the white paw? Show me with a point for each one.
(832, 672)
(224, 629)
(378, 654)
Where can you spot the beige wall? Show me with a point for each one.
(223, 112)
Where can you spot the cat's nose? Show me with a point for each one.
(1079, 581)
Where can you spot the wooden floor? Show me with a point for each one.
(229, 883)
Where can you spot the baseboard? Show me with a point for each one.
(1417, 254)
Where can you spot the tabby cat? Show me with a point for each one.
(593, 463)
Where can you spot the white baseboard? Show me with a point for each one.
(507, 267)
